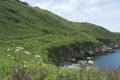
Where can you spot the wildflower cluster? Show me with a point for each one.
(18, 57)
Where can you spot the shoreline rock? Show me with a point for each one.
(75, 52)
(104, 50)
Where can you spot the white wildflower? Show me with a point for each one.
(24, 66)
(17, 50)
(8, 55)
(12, 57)
(38, 62)
(8, 49)
(20, 48)
(27, 52)
(37, 56)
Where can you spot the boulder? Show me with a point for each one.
(73, 60)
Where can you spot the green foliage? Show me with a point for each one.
(39, 31)
(23, 65)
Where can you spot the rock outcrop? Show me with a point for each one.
(73, 54)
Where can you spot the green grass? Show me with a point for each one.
(31, 67)
(40, 31)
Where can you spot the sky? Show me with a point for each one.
(105, 13)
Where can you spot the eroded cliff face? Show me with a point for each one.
(75, 52)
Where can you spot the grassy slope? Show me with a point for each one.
(38, 30)
(117, 34)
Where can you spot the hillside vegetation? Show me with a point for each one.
(40, 31)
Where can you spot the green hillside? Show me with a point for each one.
(25, 20)
(42, 33)
(39, 30)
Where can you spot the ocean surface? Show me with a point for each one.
(109, 61)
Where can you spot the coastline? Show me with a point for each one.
(73, 53)
(102, 50)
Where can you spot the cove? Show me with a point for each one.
(109, 61)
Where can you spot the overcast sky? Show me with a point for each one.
(101, 12)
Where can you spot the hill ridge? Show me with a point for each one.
(40, 30)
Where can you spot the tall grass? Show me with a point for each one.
(20, 65)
